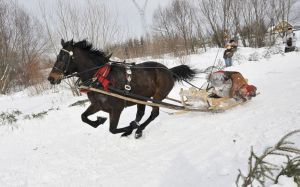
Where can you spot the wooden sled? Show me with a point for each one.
(202, 99)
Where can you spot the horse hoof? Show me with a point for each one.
(125, 134)
(138, 134)
(98, 122)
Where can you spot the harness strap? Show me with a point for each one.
(128, 73)
(101, 77)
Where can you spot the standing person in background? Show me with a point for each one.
(233, 44)
(289, 40)
(231, 47)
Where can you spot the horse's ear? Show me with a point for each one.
(108, 56)
(62, 42)
(72, 42)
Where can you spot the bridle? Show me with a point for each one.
(67, 65)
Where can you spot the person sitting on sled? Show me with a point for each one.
(230, 84)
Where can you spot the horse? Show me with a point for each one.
(148, 79)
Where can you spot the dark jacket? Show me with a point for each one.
(228, 53)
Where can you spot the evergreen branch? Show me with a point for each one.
(260, 170)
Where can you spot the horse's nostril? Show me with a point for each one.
(50, 79)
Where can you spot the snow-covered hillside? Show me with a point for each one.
(192, 149)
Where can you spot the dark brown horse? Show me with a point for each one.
(149, 79)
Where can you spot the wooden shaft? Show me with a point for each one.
(164, 105)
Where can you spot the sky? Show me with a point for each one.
(128, 15)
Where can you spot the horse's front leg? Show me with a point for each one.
(92, 109)
(135, 124)
(114, 117)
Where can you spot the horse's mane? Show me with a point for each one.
(87, 46)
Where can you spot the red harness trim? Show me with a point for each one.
(101, 76)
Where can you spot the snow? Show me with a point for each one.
(285, 181)
(191, 149)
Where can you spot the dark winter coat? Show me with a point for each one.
(228, 53)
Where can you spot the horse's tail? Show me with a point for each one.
(183, 73)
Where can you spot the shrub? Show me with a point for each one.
(260, 171)
(254, 56)
(79, 103)
(238, 58)
(7, 118)
(39, 115)
(276, 49)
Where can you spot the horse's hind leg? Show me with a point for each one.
(153, 115)
(161, 92)
(139, 115)
(92, 109)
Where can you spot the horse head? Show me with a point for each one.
(64, 64)
(77, 57)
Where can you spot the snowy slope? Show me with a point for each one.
(193, 149)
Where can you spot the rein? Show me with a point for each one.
(78, 73)
(114, 63)
(134, 67)
(207, 88)
(91, 69)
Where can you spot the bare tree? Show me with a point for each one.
(163, 27)
(93, 21)
(183, 19)
(283, 11)
(218, 17)
(176, 23)
(254, 16)
(22, 42)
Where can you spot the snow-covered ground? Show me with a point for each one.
(192, 149)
